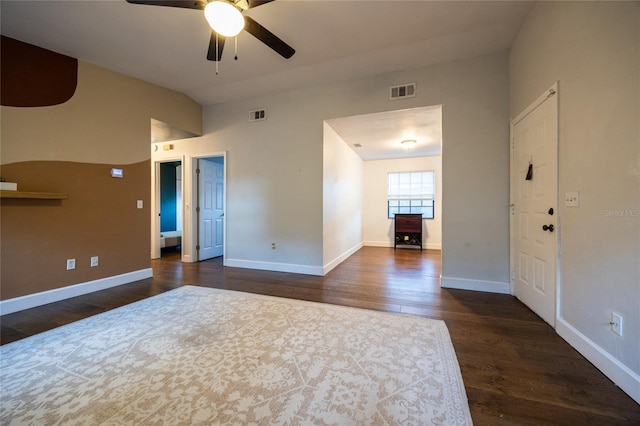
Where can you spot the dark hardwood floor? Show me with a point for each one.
(516, 369)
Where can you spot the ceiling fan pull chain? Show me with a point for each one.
(217, 54)
(236, 40)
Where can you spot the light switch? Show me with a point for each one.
(572, 199)
(139, 204)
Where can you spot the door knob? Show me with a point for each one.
(547, 227)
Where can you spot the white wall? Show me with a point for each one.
(475, 168)
(593, 50)
(342, 200)
(275, 167)
(377, 227)
(274, 180)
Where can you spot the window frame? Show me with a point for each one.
(416, 196)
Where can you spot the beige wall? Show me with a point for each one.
(593, 50)
(106, 121)
(70, 148)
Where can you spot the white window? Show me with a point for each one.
(411, 192)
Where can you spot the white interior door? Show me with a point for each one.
(534, 183)
(210, 209)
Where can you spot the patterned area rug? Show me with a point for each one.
(197, 355)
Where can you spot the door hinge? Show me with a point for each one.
(198, 171)
(197, 247)
(198, 209)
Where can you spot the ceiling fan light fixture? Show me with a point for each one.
(224, 18)
(408, 143)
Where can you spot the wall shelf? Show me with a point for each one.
(33, 195)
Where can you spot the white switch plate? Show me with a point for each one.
(572, 199)
(139, 203)
(71, 264)
(616, 323)
(95, 261)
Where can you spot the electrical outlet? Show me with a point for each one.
(273, 246)
(572, 199)
(71, 264)
(95, 261)
(616, 323)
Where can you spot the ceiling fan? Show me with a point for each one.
(226, 20)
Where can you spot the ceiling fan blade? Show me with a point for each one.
(184, 4)
(268, 38)
(211, 54)
(256, 3)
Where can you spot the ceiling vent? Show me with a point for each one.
(258, 115)
(407, 90)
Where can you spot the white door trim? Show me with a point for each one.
(193, 217)
(552, 91)
(155, 202)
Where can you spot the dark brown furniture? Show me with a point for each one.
(408, 230)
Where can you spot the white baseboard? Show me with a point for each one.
(619, 373)
(338, 260)
(430, 246)
(476, 285)
(377, 244)
(38, 299)
(272, 266)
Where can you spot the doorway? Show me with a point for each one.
(399, 142)
(170, 207)
(209, 203)
(534, 206)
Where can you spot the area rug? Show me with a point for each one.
(197, 355)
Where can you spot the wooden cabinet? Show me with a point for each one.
(408, 230)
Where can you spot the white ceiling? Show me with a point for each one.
(334, 40)
(380, 135)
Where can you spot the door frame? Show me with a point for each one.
(155, 203)
(552, 91)
(193, 217)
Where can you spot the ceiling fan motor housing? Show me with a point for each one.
(218, 22)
